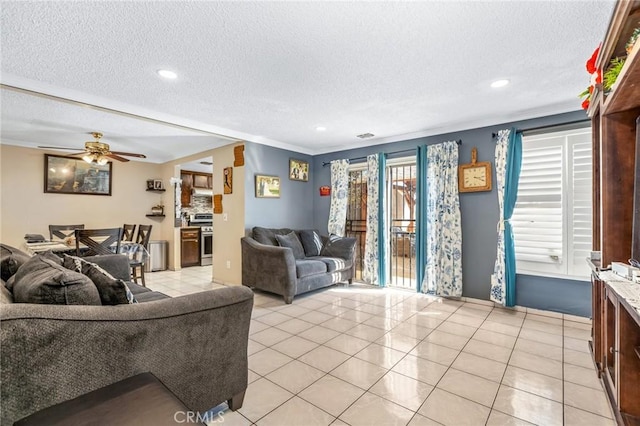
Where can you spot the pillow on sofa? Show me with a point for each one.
(42, 280)
(311, 242)
(112, 291)
(268, 235)
(337, 246)
(45, 255)
(292, 241)
(10, 260)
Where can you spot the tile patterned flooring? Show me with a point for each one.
(361, 355)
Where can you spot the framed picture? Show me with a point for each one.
(267, 186)
(298, 170)
(228, 180)
(157, 184)
(70, 175)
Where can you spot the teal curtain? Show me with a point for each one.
(382, 223)
(514, 164)
(421, 209)
(507, 164)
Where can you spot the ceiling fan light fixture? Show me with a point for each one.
(102, 161)
(88, 158)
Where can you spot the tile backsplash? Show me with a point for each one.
(199, 204)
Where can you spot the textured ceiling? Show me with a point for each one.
(271, 72)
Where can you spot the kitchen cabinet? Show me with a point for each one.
(190, 247)
(200, 181)
(187, 188)
(192, 180)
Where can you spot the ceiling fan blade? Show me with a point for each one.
(129, 154)
(57, 147)
(116, 157)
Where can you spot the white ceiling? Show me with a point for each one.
(271, 72)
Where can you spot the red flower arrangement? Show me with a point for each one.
(596, 78)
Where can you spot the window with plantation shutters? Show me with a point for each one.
(552, 218)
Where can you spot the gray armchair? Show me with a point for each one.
(270, 267)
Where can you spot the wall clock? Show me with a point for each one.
(475, 176)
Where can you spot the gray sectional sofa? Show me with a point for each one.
(272, 261)
(195, 344)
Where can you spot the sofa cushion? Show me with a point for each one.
(112, 291)
(137, 289)
(268, 235)
(311, 242)
(336, 246)
(291, 241)
(10, 260)
(306, 267)
(150, 296)
(41, 280)
(333, 263)
(45, 255)
(5, 295)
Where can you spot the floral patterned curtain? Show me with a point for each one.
(508, 164)
(443, 270)
(339, 197)
(371, 258)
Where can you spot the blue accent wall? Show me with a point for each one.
(294, 208)
(479, 218)
(554, 294)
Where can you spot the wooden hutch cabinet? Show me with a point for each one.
(616, 323)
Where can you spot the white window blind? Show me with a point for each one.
(552, 217)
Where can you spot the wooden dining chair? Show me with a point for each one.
(137, 264)
(92, 242)
(128, 232)
(63, 231)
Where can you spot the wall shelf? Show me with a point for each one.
(154, 215)
(156, 190)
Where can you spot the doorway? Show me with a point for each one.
(401, 207)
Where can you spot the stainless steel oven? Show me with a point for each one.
(204, 221)
(206, 245)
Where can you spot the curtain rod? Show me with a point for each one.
(570, 125)
(459, 142)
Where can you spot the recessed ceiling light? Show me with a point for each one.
(167, 74)
(499, 83)
(320, 129)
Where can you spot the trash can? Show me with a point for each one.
(158, 254)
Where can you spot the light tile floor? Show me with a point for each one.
(361, 355)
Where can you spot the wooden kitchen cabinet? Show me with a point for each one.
(187, 188)
(190, 247)
(200, 181)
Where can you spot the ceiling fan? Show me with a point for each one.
(98, 152)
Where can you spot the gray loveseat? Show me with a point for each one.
(195, 344)
(269, 266)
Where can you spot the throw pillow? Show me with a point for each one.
(292, 241)
(42, 280)
(10, 260)
(337, 246)
(311, 242)
(112, 291)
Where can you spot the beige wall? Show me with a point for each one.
(26, 208)
(227, 234)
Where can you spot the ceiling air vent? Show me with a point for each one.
(366, 135)
(207, 163)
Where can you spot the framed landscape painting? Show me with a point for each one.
(267, 186)
(70, 175)
(298, 170)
